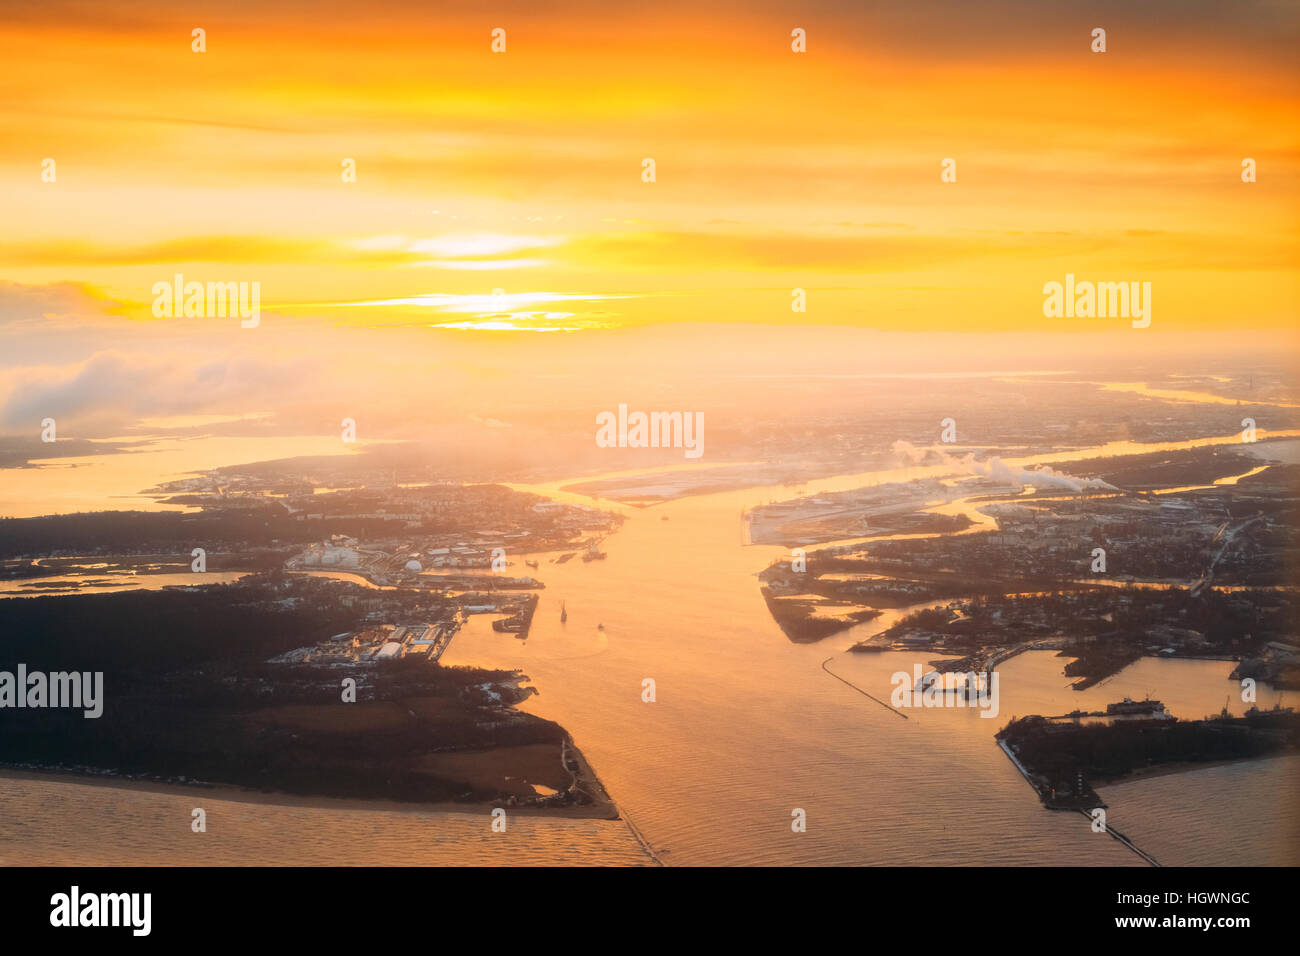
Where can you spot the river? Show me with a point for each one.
(745, 729)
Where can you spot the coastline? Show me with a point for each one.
(1185, 766)
(602, 809)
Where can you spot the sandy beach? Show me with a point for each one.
(602, 809)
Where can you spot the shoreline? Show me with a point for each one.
(603, 809)
(1147, 773)
(1185, 766)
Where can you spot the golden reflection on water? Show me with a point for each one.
(745, 727)
(115, 481)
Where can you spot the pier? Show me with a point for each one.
(859, 689)
(1120, 837)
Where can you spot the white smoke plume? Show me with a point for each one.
(998, 470)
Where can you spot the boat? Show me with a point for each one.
(600, 627)
(531, 564)
(1129, 706)
(564, 613)
(1275, 709)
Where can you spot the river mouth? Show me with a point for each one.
(745, 725)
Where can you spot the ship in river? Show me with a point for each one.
(564, 613)
(1129, 707)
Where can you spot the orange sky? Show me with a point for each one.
(522, 171)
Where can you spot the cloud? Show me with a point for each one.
(996, 469)
(485, 305)
(233, 249)
(20, 302)
(114, 390)
(446, 252)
